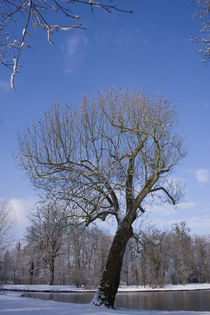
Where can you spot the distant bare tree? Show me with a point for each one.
(107, 159)
(181, 255)
(201, 251)
(45, 234)
(28, 14)
(5, 226)
(158, 257)
(152, 247)
(151, 259)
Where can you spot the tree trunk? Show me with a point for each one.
(109, 284)
(31, 272)
(52, 272)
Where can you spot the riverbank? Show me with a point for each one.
(13, 303)
(73, 289)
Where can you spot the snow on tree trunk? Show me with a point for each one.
(109, 284)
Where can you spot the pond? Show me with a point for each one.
(170, 300)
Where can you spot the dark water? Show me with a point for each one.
(178, 300)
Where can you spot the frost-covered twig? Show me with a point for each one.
(203, 38)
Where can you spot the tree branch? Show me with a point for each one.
(165, 191)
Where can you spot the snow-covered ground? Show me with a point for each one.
(14, 304)
(67, 288)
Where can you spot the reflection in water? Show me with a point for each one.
(177, 300)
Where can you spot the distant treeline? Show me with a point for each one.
(77, 256)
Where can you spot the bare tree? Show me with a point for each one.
(5, 239)
(141, 246)
(148, 260)
(201, 254)
(107, 158)
(86, 252)
(158, 257)
(46, 234)
(28, 14)
(5, 226)
(182, 247)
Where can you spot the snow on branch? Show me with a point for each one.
(203, 37)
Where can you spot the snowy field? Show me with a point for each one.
(67, 288)
(14, 304)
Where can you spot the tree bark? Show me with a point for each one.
(109, 284)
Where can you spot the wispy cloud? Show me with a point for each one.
(4, 85)
(197, 225)
(74, 51)
(75, 43)
(125, 36)
(201, 224)
(186, 205)
(206, 104)
(165, 210)
(161, 223)
(202, 175)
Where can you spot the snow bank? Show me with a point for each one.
(168, 287)
(73, 289)
(43, 288)
(11, 304)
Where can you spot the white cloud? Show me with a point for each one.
(202, 175)
(20, 210)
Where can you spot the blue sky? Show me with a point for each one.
(150, 49)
